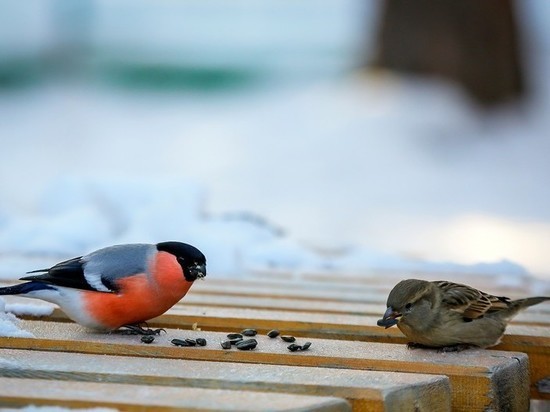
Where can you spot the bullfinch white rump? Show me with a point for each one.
(122, 285)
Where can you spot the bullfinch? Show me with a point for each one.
(122, 285)
(450, 316)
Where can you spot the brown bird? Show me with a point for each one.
(450, 316)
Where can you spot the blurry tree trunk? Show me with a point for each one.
(472, 42)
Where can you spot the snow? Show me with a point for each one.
(313, 170)
(29, 309)
(9, 324)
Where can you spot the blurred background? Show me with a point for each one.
(304, 135)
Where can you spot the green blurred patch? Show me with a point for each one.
(179, 78)
(19, 73)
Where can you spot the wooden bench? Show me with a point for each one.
(325, 309)
(44, 392)
(532, 340)
(365, 390)
(479, 379)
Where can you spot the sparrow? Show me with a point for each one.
(450, 316)
(121, 285)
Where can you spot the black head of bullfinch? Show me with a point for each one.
(191, 259)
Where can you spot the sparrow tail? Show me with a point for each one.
(516, 305)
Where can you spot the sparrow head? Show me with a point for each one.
(410, 301)
(191, 259)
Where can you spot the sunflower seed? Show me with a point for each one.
(180, 342)
(249, 332)
(288, 338)
(147, 339)
(226, 344)
(247, 344)
(201, 341)
(191, 342)
(273, 333)
(234, 336)
(306, 346)
(293, 347)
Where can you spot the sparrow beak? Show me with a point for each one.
(389, 319)
(197, 271)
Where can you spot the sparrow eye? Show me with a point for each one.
(408, 306)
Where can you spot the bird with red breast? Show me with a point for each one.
(117, 286)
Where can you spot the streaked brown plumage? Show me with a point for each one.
(450, 316)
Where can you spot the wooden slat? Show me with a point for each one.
(327, 292)
(21, 392)
(365, 390)
(532, 316)
(243, 288)
(536, 315)
(334, 326)
(337, 283)
(488, 283)
(480, 380)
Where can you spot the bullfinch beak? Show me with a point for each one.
(197, 271)
(389, 319)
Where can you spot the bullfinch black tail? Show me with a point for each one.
(24, 288)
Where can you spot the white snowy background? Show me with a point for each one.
(311, 165)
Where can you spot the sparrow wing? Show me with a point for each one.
(100, 270)
(471, 303)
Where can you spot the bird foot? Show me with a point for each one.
(138, 330)
(441, 349)
(414, 345)
(454, 348)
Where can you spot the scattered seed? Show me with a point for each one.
(293, 347)
(191, 342)
(226, 344)
(147, 339)
(288, 338)
(180, 342)
(306, 346)
(273, 333)
(201, 341)
(235, 341)
(234, 336)
(249, 332)
(247, 344)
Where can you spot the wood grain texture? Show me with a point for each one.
(41, 392)
(365, 390)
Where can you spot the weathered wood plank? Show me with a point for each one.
(340, 284)
(532, 316)
(365, 390)
(243, 288)
(520, 286)
(324, 292)
(480, 379)
(536, 315)
(20, 392)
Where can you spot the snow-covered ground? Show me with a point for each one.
(309, 170)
